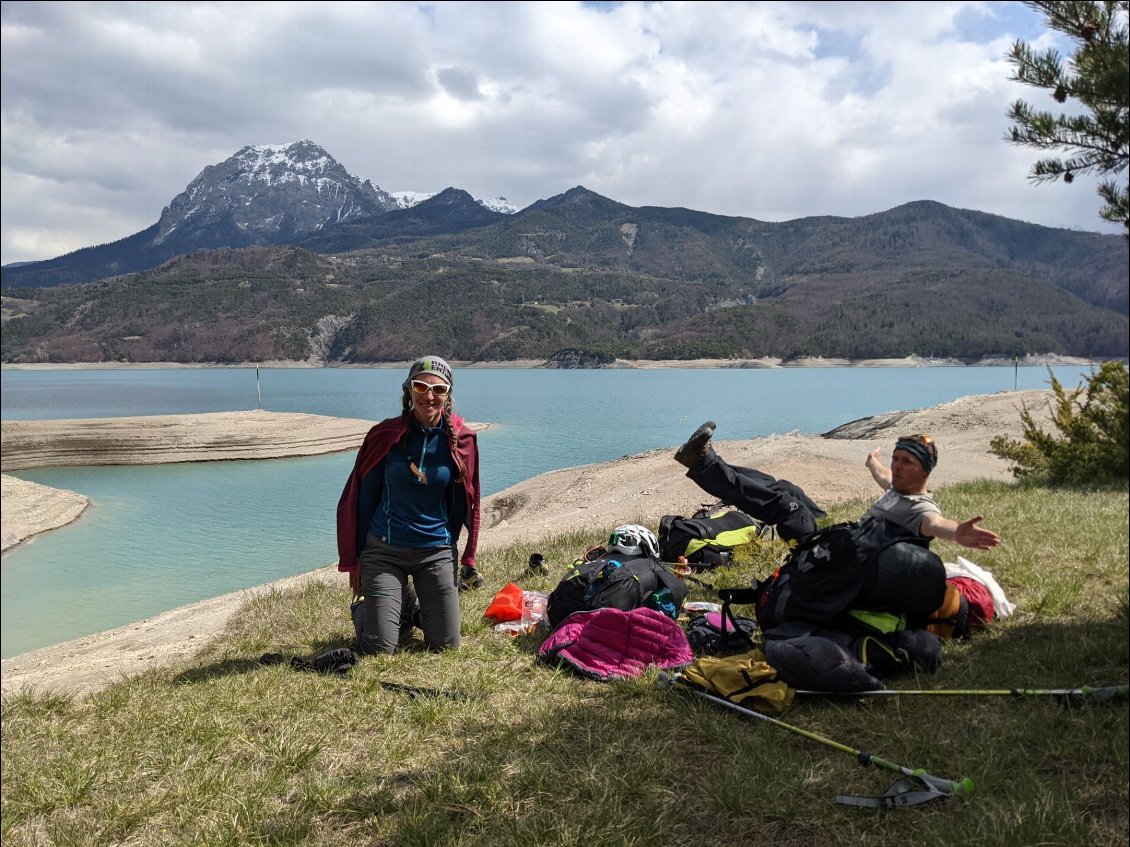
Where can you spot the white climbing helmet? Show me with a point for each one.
(633, 540)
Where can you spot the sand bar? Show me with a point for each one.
(31, 508)
(159, 439)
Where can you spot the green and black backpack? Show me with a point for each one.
(708, 538)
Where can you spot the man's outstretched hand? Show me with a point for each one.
(968, 534)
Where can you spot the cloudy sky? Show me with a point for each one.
(772, 111)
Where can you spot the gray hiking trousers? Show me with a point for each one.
(385, 571)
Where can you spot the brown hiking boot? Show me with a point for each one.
(697, 446)
(469, 578)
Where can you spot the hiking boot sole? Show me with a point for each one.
(695, 446)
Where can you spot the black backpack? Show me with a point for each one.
(612, 580)
(707, 539)
(721, 633)
(871, 565)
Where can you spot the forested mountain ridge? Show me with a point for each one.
(922, 279)
(583, 229)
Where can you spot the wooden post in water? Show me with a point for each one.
(258, 393)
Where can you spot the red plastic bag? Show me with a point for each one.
(507, 604)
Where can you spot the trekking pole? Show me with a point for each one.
(683, 572)
(415, 692)
(916, 786)
(1069, 696)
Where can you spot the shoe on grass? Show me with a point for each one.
(469, 578)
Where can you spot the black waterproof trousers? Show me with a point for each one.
(759, 495)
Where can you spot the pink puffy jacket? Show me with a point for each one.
(607, 643)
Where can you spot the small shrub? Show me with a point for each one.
(1091, 448)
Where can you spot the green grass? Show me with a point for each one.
(223, 751)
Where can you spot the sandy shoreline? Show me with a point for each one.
(641, 364)
(642, 487)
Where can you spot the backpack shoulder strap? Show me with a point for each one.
(728, 616)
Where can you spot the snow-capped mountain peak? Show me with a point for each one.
(268, 194)
(499, 204)
(408, 199)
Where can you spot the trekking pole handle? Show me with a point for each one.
(963, 786)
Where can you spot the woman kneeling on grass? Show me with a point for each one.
(413, 488)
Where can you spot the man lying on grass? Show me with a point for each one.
(906, 501)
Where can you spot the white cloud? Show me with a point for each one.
(767, 110)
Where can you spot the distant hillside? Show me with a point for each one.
(389, 304)
(581, 229)
(452, 210)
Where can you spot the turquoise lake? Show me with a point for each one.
(158, 537)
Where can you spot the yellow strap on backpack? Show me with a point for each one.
(745, 679)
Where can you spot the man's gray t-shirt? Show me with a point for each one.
(906, 510)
